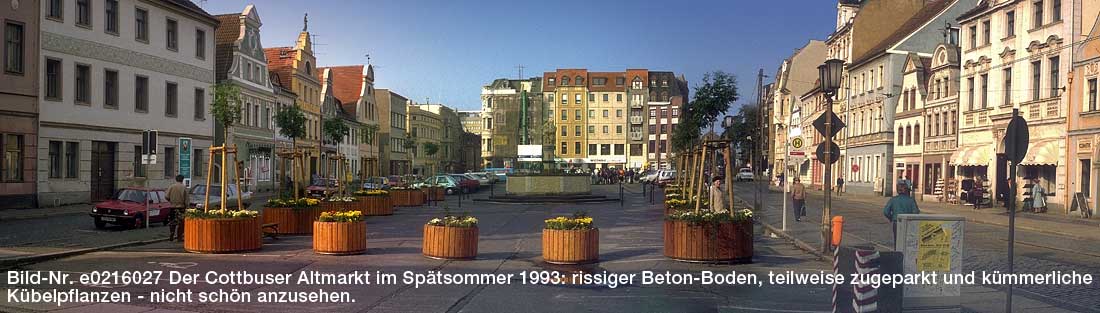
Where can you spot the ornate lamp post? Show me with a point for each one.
(830, 75)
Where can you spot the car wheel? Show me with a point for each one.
(450, 191)
(100, 224)
(138, 221)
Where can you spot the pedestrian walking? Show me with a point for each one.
(719, 199)
(902, 203)
(798, 194)
(1038, 197)
(840, 185)
(178, 197)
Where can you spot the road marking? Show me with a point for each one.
(744, 308)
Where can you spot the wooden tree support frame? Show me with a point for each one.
(295, 155)
(224, 151)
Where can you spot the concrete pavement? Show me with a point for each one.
(630, 242)
(985, 245)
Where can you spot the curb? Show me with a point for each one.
(1028, 228)
(797, 242)
(18, 261)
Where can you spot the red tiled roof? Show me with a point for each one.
(347, 84)
(225, 36)
(925, 14)
(281, 61)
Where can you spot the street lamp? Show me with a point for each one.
(830, 75)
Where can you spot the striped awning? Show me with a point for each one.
(975, 155)
(1042, 152)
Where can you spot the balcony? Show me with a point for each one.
(637, 136)
(635, 104)
(637, 120)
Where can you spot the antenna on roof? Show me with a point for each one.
(202, 4)
(520, 67)
(368, 58)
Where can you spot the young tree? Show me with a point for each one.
(712, 99)
(292, 124)
(226, 107)
(745, 128)
(430, 148)
(335, 130)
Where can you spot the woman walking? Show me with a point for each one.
(798, 194)
(1038, 197)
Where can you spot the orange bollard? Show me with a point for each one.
(838, 229)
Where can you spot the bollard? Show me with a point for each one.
(838, 230)
(620, 193)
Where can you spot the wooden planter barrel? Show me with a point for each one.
(724, 242)
(374, 205)
(442, 242)
(339, 238)
(293, 221)
(336, 205)
(410, 197)
(222, 235)
(570, 246)
(434, 193)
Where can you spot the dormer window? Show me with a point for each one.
(579, 80)
(309, 68)
(564, 80)
(550, 81)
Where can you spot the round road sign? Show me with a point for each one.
(796, 143)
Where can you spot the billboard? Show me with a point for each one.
(529, 153)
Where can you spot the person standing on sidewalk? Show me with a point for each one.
(719, 199)
(1038, 197)
(902, 203)
(840, 185)
(798, 194)
(177, 197)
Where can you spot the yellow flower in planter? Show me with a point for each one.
(341, 217)
(579, 221)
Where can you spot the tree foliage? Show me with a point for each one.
(226, 107)
(711, 100)
(335, 130)
(745, 129)
(291, 122)
(430, 148)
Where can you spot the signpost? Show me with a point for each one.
(184, 158)
(1015, 141)
(148, 156)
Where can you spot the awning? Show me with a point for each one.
(1042, 152)
(977, 155)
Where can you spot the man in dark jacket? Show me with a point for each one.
(902, 203)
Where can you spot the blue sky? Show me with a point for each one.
(447, 50)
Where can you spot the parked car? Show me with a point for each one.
(128, 208)
(322, 189)
(465, 184)
(744, 174)
(450, 185)
(649, 176)
(492, 179)
(500, 172)
(376, 183)
(231, 195)
(396, 181)
(482, 179)
(665, 177)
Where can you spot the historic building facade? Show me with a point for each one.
(794, 78)
(353, 87)
(1083, 118)
(108, 77)
(607, 122)
(511, 114)
(240, 61)
(941, 111)
(668, 94)
(19, 88)
(636, 97)
(425, 130)
(393, 118)
(1014, 58)
(908, 122)
(296, 69)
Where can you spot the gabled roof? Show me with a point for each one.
(930, 10)
(187, 5)
(225, 36)
(347, 84)
(281, 61)
(982, 6)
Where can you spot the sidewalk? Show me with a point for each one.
(1052, 223)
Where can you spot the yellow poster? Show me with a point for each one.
(933, 247)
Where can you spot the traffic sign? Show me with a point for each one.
(796, 157)
(819, 124)
(796, 143)
(834, 152)
(1016, 138)
(855, 168)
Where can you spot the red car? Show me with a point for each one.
(128, 208)
(466, 184)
